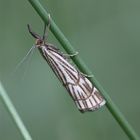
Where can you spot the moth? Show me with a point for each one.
(83, 92)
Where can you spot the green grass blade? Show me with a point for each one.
(12, 111)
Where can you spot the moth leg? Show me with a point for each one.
(46, 28)
(71, 55)
(33, 33)
(68, 56)
(52, 46)
(44, 32)
(86, 75)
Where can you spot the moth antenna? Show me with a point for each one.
(25, 57)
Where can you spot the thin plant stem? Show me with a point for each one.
(12, 111)
(127, 128)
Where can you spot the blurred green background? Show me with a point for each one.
(106, 34)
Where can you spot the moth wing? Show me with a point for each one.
(85, 95)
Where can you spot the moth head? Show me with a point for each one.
(39, 42)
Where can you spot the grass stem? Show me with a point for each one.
(82, 66)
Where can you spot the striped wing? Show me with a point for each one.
(85, 95)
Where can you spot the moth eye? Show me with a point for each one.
(38, 42)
